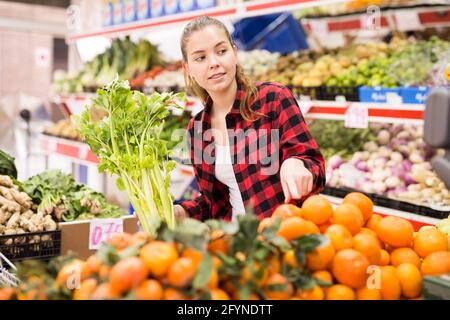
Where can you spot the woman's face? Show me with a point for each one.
(211, 59)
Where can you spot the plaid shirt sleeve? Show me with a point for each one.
(296, 140)
(200, 207)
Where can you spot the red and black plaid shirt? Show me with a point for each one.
(259, 184)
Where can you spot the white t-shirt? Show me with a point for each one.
(225, 174)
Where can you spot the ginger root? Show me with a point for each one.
(9, 205)
(6, 181)
(13, 222)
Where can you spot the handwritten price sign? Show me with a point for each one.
(101, 230)
(357, 116)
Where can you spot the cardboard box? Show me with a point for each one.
(75, 235)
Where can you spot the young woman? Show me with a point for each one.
(250, 146)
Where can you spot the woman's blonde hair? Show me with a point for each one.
(194, 88)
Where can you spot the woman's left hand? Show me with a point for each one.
(296, 180)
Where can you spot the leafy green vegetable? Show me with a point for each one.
(7, 166)
(128, 143)
(57, 193)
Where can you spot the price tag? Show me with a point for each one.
(101, 230)
(319, 27)
(393, 98)
(357, 116)
(305, 105)
(407, 20)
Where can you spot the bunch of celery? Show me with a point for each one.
(128, 143)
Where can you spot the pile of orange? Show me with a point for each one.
(368, 256)
(364, 256)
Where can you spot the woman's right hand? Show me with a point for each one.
(179, 212)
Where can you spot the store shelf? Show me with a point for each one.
(78, 152)
(438, 16)
(378, 112)
(237, 10)
(417, 221)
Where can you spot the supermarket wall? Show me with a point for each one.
(26, 47)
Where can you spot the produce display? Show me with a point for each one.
(372, 64)
(124, 57)
(57, 195)
(395, 164)
(7, 165)
(315, 252)
(18, 213)
(128, 143)
(65, 129)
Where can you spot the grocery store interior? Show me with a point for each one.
(83, 210)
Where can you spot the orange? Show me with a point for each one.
(105, 292)
(6, 293)
(103, 273)
(293, 228)
(278, 294)
(87, 287)
(410, 280)
(251, 273)
(323, 275)
(158, 256)
(350, 268)
(349, 216)
(285, 211)
(174, 294)
(253, 296)
(390, 287)
(290, 259)
(365, 293)
(127, 274)
(315, 293)
(436, 263)
(274, 265)
(219, 294)
(217, 262)
(321, 257)
(218, 245)
(403, 255)
(76, 270)
(323, 227)
(264, 224)
(213, 281)
(340, 237)
(340, 292)
(94, 263)
(149, 290)
(428, 241)
(372, 233)
(195, 255)
(317, 209)
(120, 240)
(137, 239)
(369, 246)
(362, 201)
(396, 232)
(181, 272)
(373, 222)
(385, 258)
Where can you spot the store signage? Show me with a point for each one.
(319, 28)
(357, 116)
(407, 20)
(101, 230)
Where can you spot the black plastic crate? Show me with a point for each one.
(386, 202)
(350, 93)
(314, 93)
(36, 245)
